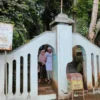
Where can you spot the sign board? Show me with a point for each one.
(6, 36)
(75, 81)
(77, 84)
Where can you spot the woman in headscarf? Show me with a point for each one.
(42, 60)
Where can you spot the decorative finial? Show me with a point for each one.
(61, 5)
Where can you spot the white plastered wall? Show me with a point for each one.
(60, 40)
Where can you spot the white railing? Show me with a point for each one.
(14, 78)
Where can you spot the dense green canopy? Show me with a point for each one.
(23, 15)
(31, 17)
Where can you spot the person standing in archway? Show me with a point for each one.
(49, 64)
(42, 60)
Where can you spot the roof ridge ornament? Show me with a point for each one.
(62, 18)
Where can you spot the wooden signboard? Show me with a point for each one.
(75, 81)
(6, 34)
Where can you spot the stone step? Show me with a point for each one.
(47, 97)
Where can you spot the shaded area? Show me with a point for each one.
(72, 67)
(79, 57)
(21, 74)
(44, 84)
(14, 77)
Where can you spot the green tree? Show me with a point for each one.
(48, 9)
(93, 20)
(22, 14)
(31, 17)
(83, 11)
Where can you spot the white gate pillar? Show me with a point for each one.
(99, 69)
(25, 75)
(84, 72)
(95, 71)
(0, 78)
(33, 75)
(89, 71)
(18, 76)
(84, 66)
(64, 49)
(10, 78)
(2, 67)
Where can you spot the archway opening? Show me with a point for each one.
(79, 63)
(28, 71)
(21, 73)
(14, 77)
(92, 63)
(46, 69)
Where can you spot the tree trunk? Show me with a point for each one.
(93, 20)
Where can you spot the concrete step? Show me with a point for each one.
(47, 97)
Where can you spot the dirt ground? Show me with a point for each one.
(45, 88)
(88, 97)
